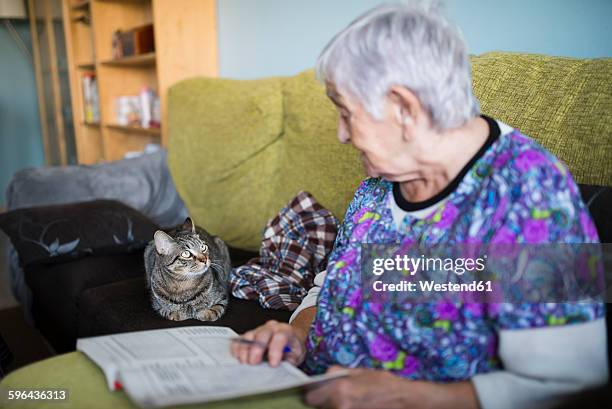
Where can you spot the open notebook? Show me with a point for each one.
(185, 365)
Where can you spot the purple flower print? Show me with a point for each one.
(375, 307)
(493, 309)
(535, 231)
(383, 349)
(448, 216)
(516, 135)
(529, 159)
(504, 236)
(349, 257)
(500, 211)
(318, 329)
(411, 365)
(501, 159)
(355, 299)
(361, 229)
(475, 308)
(360, 214)
(406, 245)
(588, 226)
(471, 248)
(572, 187)
(467, 297)
(446, 311)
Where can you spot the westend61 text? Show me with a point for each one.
(429, 286)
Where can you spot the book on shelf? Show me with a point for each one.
(91, 100)
(140, 110)
(137, 41)
(184, 365)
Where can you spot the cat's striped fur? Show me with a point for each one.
(187, 273)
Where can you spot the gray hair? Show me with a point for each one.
(409, 44)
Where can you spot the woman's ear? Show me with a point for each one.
(164, 244)
(407, 106)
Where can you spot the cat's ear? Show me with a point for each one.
(164, 244)
(188, 225)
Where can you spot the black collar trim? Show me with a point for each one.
(494, 133)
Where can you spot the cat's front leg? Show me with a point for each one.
(210, 314)
(178, 315)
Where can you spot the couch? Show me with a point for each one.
(240, 150)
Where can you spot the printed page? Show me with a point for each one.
(206, 346)
(175, 383)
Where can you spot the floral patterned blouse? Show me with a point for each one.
(512, 191)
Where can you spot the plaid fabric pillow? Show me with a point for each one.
(294, 249)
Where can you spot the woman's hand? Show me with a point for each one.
(276, 336)
(372, 389)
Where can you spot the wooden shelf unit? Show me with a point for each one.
(136, 129)
(89, 66)
(179, 28)
(134, 61)
(80, 5)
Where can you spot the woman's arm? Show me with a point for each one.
(542, 366)
(311, 299)
(303, 321)
(379, 389)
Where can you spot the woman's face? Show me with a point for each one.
(385, 149)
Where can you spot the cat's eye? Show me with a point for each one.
(186, 254)
(203, 248)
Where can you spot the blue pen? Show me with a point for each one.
(286, 349)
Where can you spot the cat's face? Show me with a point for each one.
(185, 254)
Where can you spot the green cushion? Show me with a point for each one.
(223, 153)
(564, 103)
(87, 388)
(313, 159)
(240, 150)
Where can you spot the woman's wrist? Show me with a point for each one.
(457, 395)
(406, 393)
(301, 324)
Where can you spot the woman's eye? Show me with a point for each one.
(203, 247)
(186, 254)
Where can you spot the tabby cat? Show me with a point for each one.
(187, 273)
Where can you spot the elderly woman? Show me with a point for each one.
(439, 172)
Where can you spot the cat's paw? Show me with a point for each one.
(210, 314)
(176, 316)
